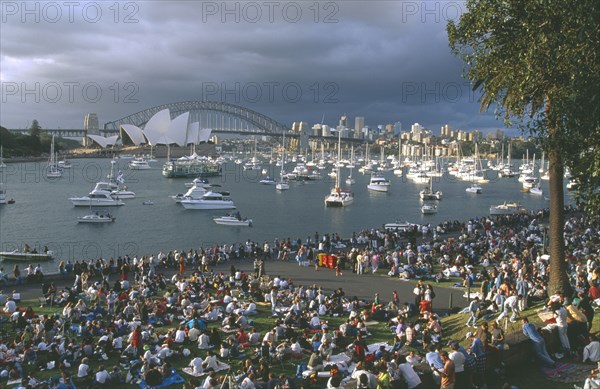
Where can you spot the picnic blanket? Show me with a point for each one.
(173, 379)
(568, 373)
(222, 366)
(472, 295)
(375, 346)
(545, 316)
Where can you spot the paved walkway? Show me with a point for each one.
(363, 286)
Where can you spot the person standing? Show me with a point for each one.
(539, 345)
(523, 290)
(447, 373)
(473, 308)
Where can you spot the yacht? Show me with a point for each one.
(283, 178)
(198, 182)
(54, 170)
(139, 164)
(96, 197)
(475, 188)
(399, 226)
(2, 164)
(96, 218)
(64, 164)
(378, 184)
(428, 209)
(505, 209)
(210, 200)
(115, 191)
(429, 194)
(194, 193)
(2, 194)
(338, 197)
(268, 181)
(233, 219)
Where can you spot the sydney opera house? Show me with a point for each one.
(159, 130)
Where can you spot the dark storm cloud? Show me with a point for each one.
(387, 61)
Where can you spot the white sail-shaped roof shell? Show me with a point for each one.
(178, 129)
(102, 141)
(193, 133)
(135, 133)
(204, 135)
(157, 129)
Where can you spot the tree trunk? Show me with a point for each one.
(559, 280)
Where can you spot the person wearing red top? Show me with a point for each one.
(594, 292)
(136, 340)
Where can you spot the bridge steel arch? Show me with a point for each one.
(261, 122)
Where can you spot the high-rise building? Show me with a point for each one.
(325, 131)
(359, 123)
(397, 128)
(446, 131)
(316, 129)
(499, 134)
(344, 120)
(389, 129)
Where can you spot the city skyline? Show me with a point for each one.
(386, 62)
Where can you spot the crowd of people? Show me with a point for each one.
(123, 313)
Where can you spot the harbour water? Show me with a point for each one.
(43, 215)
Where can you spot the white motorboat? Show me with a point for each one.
(378, 184)
(139, 164)
(572, 185)
(126, 156)
(100, 198)
(536, 190)
(399, 226)
(96, 218)
(268, 181)
(350, 180)
(210, 200)
(233, 220)
(282, 185)
(475, 188)
(429, 209)
(198, 182)
(338, 197)
(27, 256)
(115, 190)
(505, 209)
(194, 193)
(64, 164)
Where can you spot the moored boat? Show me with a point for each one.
(17, 255)
(233, 220)
(210, 200)
(505, 209)
(96, 218)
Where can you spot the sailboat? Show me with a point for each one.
(338, 197)
(350, 180)
(253, 163)
(282, 184)
(54, 171)
(2, 164)
(429, 194)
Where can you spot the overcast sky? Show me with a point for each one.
(387, 61)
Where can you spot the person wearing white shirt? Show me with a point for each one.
(196, 365)
(193, 334)
(102, 375)
(512, 304)
(408, 373)
(210, 363)
(10, 306)
(203, 341)
(117, 343)
(164, 352)
(180, 335)
(592, 350)
(83, 369)
(315, 322)
(248, 382)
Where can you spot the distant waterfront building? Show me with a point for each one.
(325, 130)
(344, 120)
(499, 134)
(316, 129)
(446, 131)
(389, 129)
(359, 123)
(397, 128)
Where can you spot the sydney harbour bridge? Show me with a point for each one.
(222, 118)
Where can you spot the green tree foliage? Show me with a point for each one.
(530, 59)
(17, 145)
